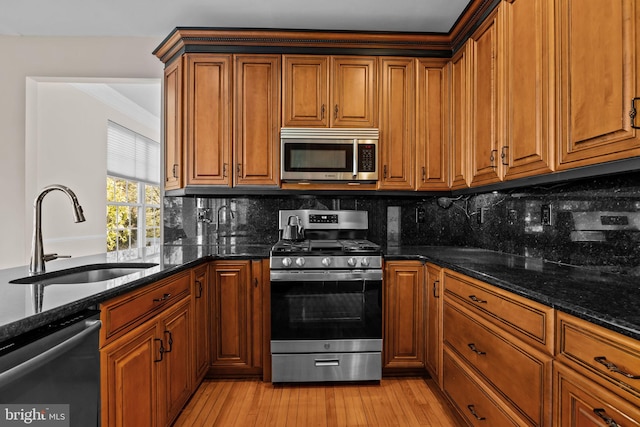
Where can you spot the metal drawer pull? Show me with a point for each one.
(476, 299)
(164, 298)
(169, 341)
(473, 348)
(435, 288)
(329, 362)
(603, 414)
(161, 350)
(472, 409)
(633, 113)
(613, 368)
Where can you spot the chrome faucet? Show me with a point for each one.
(38, 258)
(218, 219)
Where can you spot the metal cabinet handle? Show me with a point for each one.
(472, 409)
(161, 350)
(492, 158)
(633, 113)
(239, 169)
(613, 368)
(607, 419)
(255, 282)
(473, 348)
(224, 170)
(476, 299)
(174, 170)
(169, 341)
(164, 298)
(335, 112)
(424, 174)
(322, 112)
(503, 155)
(199, 294)
(384, 171)
(435, 285)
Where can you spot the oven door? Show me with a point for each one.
(326, 306)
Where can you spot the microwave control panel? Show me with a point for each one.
(366, 158)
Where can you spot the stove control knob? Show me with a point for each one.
(365, 261)
(352, 262)
(299, 261)
(326, 262)
(286, 261)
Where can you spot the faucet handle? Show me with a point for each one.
(51, 257)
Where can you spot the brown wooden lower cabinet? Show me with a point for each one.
(581, 402)
(236, 318)
(201, 322)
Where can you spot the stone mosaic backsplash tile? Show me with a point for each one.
(593, 222)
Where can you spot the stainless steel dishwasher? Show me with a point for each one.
(53, 373)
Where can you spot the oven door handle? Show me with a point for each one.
(325, 275)
(327, 362)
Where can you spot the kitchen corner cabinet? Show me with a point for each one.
(403, 317)
(599, 75)
(329, 91)
(460, 116)
(432, 143)
(397, 124)
(201, 321)
(146, 354)
(236, 318)
(529, 92)
(173, 137)
(433, 353)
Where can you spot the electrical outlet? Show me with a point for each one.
(545, 215)
(480, 215)
(421, 215)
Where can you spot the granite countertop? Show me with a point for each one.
(606, 299)
(27, 307)
(609, 300)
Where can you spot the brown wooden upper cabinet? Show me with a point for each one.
(222, 120)
(459, 118)
(329, 91)
(598, 75)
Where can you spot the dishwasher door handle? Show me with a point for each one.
(27, 366)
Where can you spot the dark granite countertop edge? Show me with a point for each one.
(607, 321)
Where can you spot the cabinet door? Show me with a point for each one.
(130, 378)
(208, 119)
(485, 143)
(404, 315)
(397, 113)
(232, 326)
(173, 173)
(353, 91)
(432, 144)
(200, 322)
(176, 387)
(598, 75)
(433, 356)
(257, 120)
(582, 403)
(305, 91)
(460, 118)
(529, 88)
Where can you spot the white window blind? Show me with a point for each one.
(131, 155)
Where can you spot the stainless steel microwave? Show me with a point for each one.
(311, 154)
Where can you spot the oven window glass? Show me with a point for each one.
(316, 157)
(326, 310)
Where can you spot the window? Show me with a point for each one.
(133, 195)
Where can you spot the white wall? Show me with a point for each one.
(64, 57)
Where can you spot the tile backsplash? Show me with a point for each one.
(592, 222)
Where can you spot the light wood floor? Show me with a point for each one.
(402, 402)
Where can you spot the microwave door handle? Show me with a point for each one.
(355, 157)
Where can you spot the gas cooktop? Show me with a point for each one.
(326, 246)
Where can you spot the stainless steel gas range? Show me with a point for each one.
(326, 298)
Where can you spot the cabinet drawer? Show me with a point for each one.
(126, 311)
(471, 400)
(581, 402)
(520, 374)
(528, 320)
(611, 359)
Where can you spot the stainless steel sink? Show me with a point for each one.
(90, 273)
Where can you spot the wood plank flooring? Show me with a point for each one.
(244, 403)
